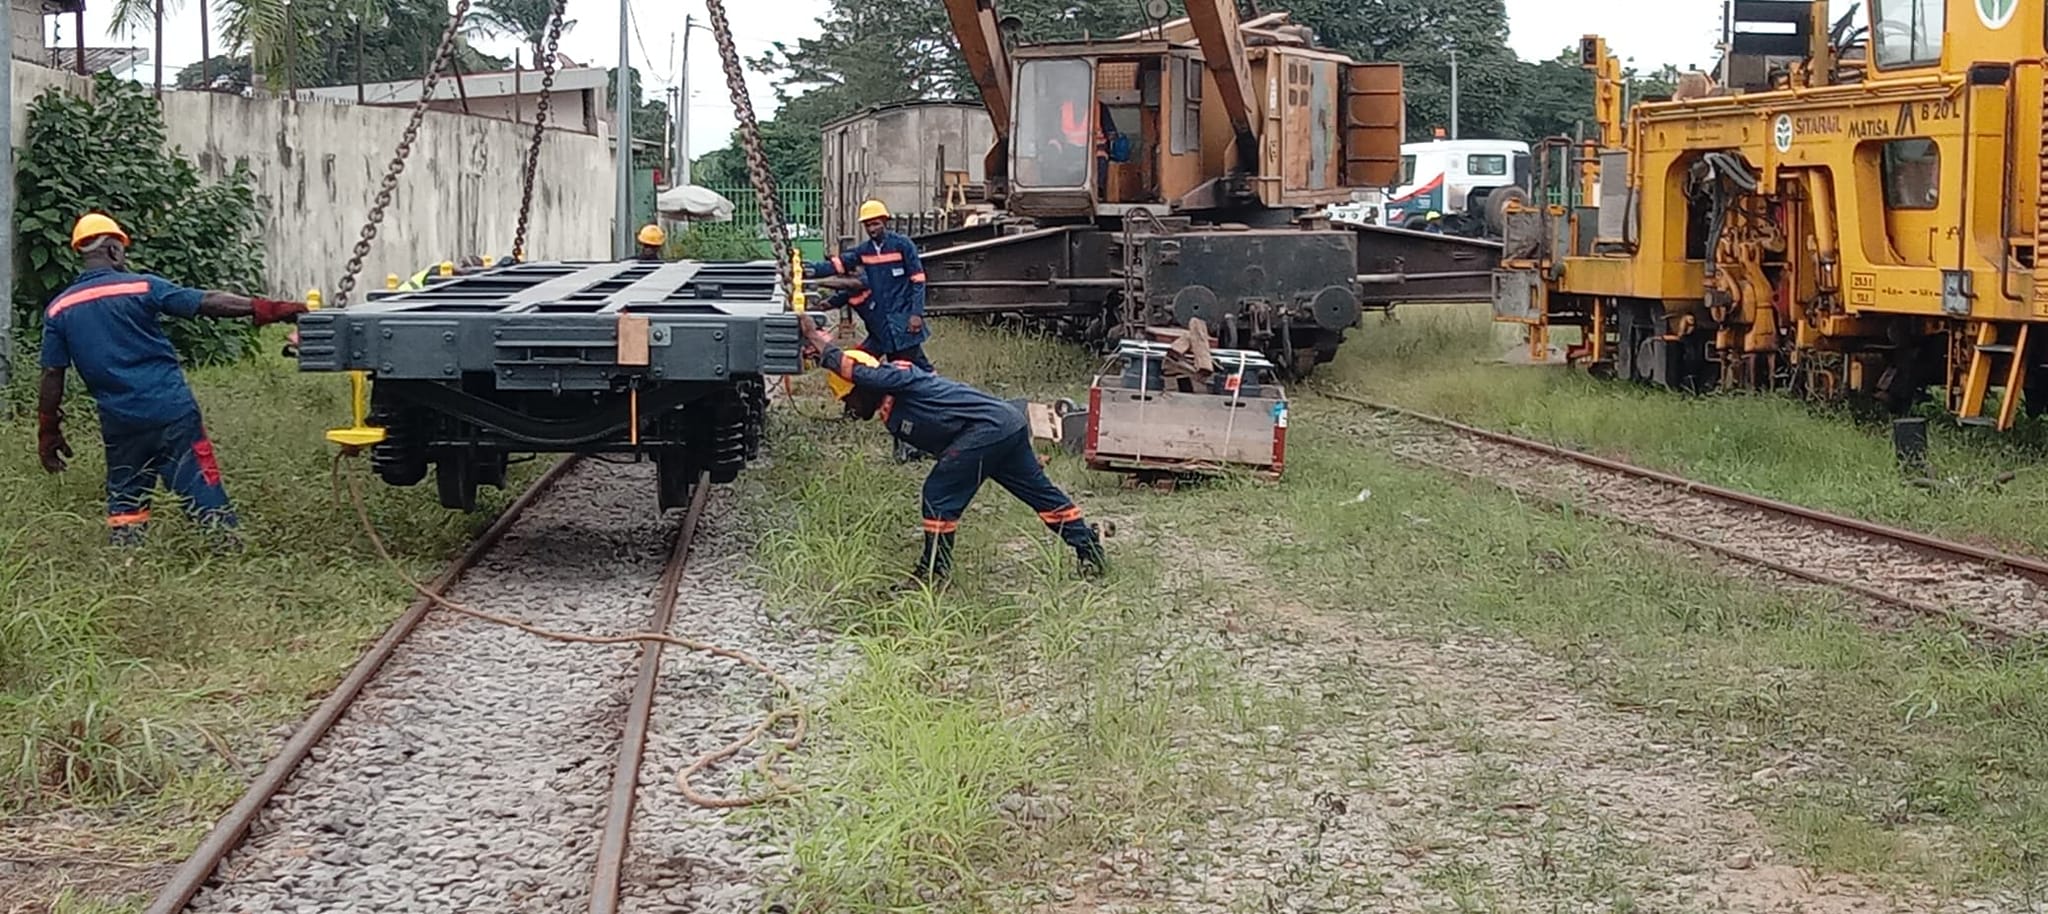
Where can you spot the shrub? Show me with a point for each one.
(108, 153)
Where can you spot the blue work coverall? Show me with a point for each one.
(895, 293)
(976, 436)
(106, 325)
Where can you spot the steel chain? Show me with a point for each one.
(765, 193)
(397, 166)
(540, 120)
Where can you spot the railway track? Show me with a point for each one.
(463, 765)
(1997, 595)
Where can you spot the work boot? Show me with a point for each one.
(129, 536)
(935, 563)
(1094, 561)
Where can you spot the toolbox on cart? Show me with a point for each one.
(1142, 419)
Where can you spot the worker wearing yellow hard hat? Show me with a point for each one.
(651, 239)
(105, 325)
(975, 435)
(892, 305)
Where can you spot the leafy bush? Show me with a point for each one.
(718, 242)
(108, 153)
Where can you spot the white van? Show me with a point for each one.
(1450, 177)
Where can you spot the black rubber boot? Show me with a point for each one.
(935, 565)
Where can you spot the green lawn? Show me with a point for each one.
(1923, 762)
(1444, 360)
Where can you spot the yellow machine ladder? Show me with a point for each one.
(2000, 356)
(2041, 219)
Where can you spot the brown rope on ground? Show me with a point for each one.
(792, 711)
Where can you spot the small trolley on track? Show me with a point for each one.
(664, 360)
(1142, 421)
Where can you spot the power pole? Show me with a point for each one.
(683, 111)
(623, 206)
(7, 223)
(1454, 93)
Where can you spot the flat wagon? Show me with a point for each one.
(666, 361)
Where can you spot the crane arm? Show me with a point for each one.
(1217, 29)
(988, 61)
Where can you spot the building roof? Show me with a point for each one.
(873, 110)
(97, 60)
(502, 84)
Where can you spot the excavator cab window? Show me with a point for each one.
(1906, 33)
(1056, 123)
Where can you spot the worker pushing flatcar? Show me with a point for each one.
(892, 304)
(976, 436)
(106, 325)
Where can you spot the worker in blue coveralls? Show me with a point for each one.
(892, 305)
(105, 323)
(975, 435)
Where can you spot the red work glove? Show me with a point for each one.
(50, 443)
(271, 310)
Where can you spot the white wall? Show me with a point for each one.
(318, 166)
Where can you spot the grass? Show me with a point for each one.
(1920, 757)
(143, 688)
(1442, 359)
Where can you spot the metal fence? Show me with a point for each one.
(803, 207)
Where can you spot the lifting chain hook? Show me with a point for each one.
(763, 180)
(540, 120)
(412, 132)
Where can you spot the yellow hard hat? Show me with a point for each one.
(873, 209)
(841, 386)
(93, 225)
(652, 235)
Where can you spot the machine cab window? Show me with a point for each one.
(1056, 112)
(1906, 33)
(1485, 166)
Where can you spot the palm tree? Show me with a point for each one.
(130, 16)
(526, 20)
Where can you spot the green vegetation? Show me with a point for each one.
(142, 688)
(108, 153)
(1443, 359)
(1908, 758)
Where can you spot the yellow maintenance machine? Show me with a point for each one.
(1851, 210)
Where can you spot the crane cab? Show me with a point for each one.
(1099, 128)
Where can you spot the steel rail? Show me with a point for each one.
(1906, 538)
(1950, 549)
(227, 833)
(618, 820)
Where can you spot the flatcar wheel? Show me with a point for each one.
(675, 477)
(456, 476)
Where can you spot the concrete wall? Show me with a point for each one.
(26, 17)
(318, 166)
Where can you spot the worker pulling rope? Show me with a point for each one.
(792, 711)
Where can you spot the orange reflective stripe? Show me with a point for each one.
(64, 302)
(888, 257)
(940, 526)
(128, 520)
(1061, 515)
(917, 277)
(838, 266)
(845, 367)
(858, 299)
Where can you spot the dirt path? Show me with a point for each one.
(1463, 774)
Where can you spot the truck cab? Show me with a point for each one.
(1453, 177)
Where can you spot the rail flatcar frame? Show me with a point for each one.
(666, 361)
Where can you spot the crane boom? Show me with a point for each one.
(1217, 29)
(988, 61)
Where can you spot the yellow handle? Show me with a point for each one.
(796, 285)
(359, 397)
(391, 282)
(312, 299)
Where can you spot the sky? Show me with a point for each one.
(1645, 34)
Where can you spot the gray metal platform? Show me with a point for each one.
(557, 326)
